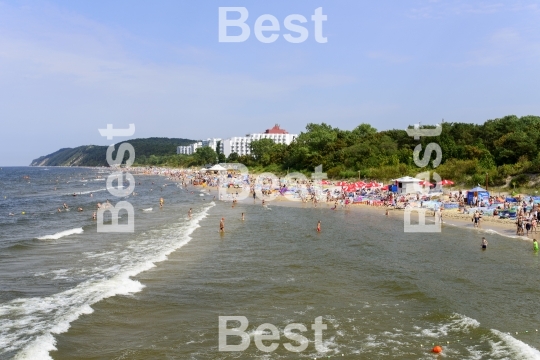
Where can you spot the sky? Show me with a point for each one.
(69, 68)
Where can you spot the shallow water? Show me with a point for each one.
(381, 292)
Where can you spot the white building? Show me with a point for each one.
(191, 149)
(211, 142)
(241, 144)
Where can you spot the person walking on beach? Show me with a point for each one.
(222, 225)
(319, 226)
(484, 243)
(519, 223)
(476, 219)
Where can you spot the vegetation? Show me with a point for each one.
(92, 155)
(499, 150)
(505, 150)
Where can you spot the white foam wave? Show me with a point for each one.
(85, 192)
(512, 348)
(32, 322)
(149, 209)
(61, 234)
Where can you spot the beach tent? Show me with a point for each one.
(217, 168)
(480, 193)
(407, 185)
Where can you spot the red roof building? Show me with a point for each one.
(275, 130)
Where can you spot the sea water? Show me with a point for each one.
(69, 292)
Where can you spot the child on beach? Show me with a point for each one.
(319, 226)
(484, 243)
(535, 245)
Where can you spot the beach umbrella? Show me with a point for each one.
(325, 182)
(384, 187)
(446, 182)
(425, 183)
(359, 183)
(341, 183)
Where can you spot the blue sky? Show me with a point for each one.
(68, 68)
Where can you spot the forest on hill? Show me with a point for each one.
(504, 150)
(92, 155)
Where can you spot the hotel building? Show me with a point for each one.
(241, 144)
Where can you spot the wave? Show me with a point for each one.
(512, 348)
(84, 192)
(482, 230)
(61, 234)
(30, 329)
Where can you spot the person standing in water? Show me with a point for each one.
(484, 243)
(319, 226)
(222, 225)
(161, 201)
(243, 217)
(189, 213)
(535, 245)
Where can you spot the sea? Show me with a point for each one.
(68, 291)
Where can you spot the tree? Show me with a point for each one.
(221, 157)
(205, 155)
(233, 157)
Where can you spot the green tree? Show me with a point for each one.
(205, 155)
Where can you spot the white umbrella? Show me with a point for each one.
(217, 167)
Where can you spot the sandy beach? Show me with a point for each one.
(451, 217)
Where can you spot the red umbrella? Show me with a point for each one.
(446, 182)
(425, 183)
(359, 183)
(384, 187)
(341, 183)
(324, 182)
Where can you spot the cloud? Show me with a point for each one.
(503, 47)
(434, 9)
(86, 54)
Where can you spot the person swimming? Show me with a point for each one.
(484, 243)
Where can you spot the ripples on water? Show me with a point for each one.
(382, 293)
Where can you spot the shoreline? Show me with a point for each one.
(451, 217)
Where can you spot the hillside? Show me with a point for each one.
(92, 155)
